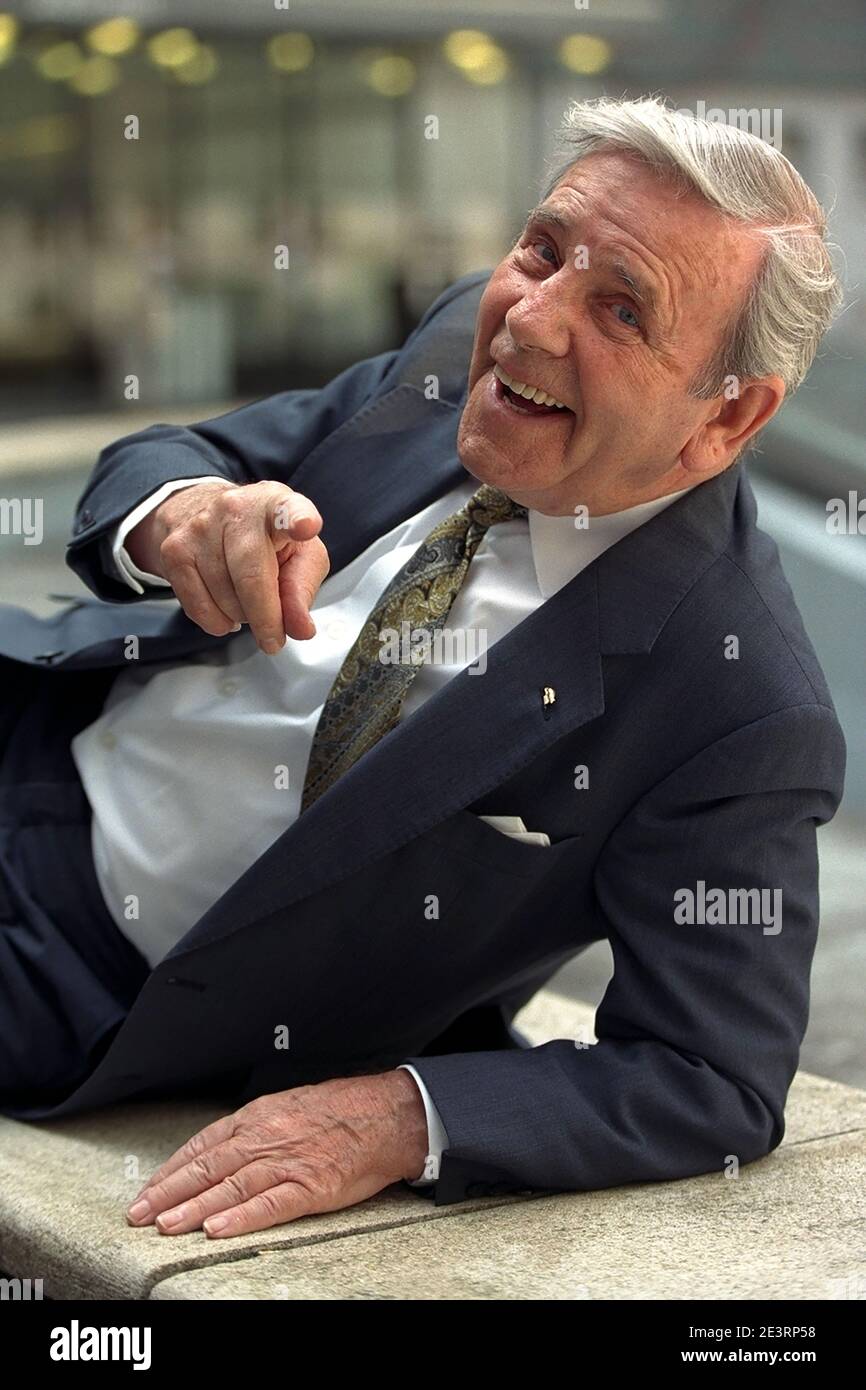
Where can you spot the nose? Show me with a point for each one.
(537, 322)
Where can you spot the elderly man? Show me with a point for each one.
(326, 872)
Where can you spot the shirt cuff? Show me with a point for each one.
(437, 1137)
(128, 571)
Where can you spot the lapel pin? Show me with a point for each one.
(548, 699)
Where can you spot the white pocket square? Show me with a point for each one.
(513, 827)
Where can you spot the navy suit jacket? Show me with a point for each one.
(700, 768)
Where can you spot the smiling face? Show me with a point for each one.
(616, 295)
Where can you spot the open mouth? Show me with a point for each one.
(526, 399)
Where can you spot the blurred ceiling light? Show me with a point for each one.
(290, 52)
(586, 54)
(113, 37)
(494, 68)
(477, 55)
(467, 48)
(172, 47)
(95, 76)
(391, 75)
(59, 62)
(201, 67)
(8, 34)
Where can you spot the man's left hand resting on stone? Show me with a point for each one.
(294, 1153)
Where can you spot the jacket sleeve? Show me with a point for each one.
(700, 1027)
(267, 439)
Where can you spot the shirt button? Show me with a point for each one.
(108, 739)
(228, 687)
(336, 629)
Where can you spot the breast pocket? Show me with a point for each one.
(467, 835)
(513, 904)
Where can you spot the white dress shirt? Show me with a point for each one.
(196, 766)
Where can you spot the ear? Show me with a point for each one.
(737, 414)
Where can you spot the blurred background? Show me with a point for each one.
(259, 124)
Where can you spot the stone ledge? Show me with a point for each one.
(65, 1185)
(789, 1227)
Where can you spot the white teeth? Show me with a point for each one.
(531, 393)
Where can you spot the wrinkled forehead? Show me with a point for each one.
(614, 202)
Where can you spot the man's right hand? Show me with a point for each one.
(235, 555)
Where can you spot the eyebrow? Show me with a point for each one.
(548, 217)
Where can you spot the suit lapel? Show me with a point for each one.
(388, 462)
(643, 578)
(479, 730)
(473, 734)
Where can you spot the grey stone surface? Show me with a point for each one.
(788, 1227)
(64, 1191)
(65, 1186)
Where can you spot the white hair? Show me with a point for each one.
(795, 292)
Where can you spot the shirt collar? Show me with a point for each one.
(560, 549)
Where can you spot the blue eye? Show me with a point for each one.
(544, 247)
(631, 321)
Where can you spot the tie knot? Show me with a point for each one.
(489, 505)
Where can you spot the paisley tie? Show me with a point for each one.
(365, 700)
